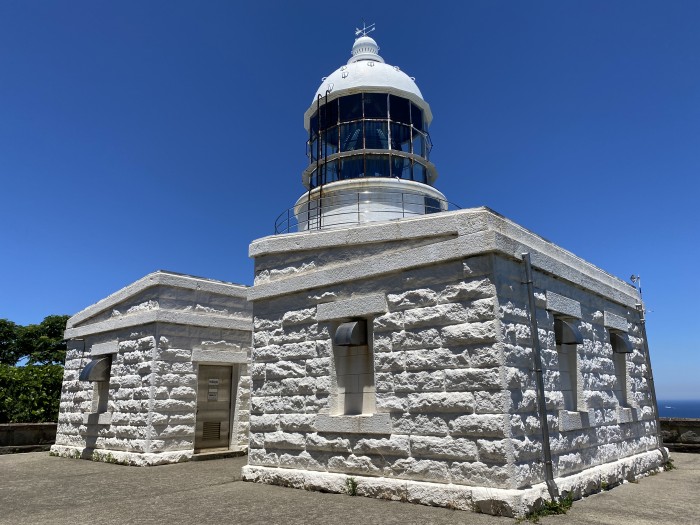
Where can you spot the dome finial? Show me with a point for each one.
(365, 48)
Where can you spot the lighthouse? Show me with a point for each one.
(368, 147)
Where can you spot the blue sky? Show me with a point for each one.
(137, 136)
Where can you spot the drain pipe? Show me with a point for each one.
(541, 401)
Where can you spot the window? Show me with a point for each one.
(354, 369)
(400, 109)
(350, 107)
(98, 371)
(375, 105)
(621, 347)
(567, 337)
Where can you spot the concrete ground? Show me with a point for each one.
(36, 488)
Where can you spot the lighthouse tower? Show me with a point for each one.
(453, 359)
(368, 147)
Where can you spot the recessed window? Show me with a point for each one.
(567, 337)
(98, 371)
(354, 369)
(621, 347)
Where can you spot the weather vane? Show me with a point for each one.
(365, 29)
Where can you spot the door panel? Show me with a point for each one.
(213, 424)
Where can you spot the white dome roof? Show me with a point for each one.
(366, 71)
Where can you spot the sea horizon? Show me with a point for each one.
(689, 408)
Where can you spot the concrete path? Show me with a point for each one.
(36, 488)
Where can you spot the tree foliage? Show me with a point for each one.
(8, 342)
(30, 394)
(37, 343)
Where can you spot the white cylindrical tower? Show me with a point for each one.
(368, 147)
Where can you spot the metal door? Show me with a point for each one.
(213, 407)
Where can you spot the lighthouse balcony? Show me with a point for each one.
(349, 203)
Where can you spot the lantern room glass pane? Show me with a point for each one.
(416, 117)
(330, 141)
(329, 172)
(351, 136)
(329, 114)
(432, 205)
(313, 149)
(313, 121)
(377, 166)
(419, 173)
(400, 167)
(350, 107)
(401, 137)
(376, 105)
(418, 143)
(399, 109)
(376, 135)
(352, 168)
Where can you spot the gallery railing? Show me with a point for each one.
(351, 208)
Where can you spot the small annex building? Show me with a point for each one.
(157, 372)
(409, 352)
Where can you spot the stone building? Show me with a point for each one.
(157, 372)
(452, 358)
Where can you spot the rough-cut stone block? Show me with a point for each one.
(440, 315)
(412, 299)
(447, 448)
(480, 474)
(421, 424)
(306, 315)
(279, 439)
(285, 369)
(419, 381)
(432, 359)
(296, 422)
(441, 402)
(486, 425)
(396, 445)
(467, 290)
(353, 464)
(424, 469)
(470, 333)
(389, 322)
(389, 361)
(468, 379)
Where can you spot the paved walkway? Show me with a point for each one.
(36, 488)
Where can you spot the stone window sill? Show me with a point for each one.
(574, 420)
(626, 415)
(97, 418)
(360, 424)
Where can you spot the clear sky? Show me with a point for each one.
(137, 136)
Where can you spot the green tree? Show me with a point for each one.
(30, 394)
(43, 343)
(8, 342)
(37, 343)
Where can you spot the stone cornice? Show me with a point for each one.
(161, 316)
(457, 235)
(158, 278)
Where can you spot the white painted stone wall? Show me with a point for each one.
(455, 389)
(152, 399)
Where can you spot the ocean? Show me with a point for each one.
(685, 408)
